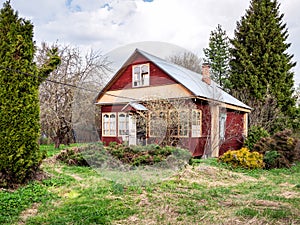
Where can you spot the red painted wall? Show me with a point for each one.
(234, 131)
(157, 77)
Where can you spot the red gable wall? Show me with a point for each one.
(157, 76)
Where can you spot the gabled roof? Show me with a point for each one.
(189, 79)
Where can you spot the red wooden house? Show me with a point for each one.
(191, 110)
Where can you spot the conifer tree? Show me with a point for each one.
(217, 55)
(20, 156)
(261, 73)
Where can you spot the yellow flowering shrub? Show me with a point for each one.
(243, 158)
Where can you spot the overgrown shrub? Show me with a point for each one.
(117, 155)
(146, 155)
(280, 150)
(93, 155)
(72, 156)
(243, 158)
(254, 135)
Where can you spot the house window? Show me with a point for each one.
(179, 123)
(174, 123)
(196, 123)
(222, 125)
(109, 124)
(123, 124)
(158, 124)
(140, 75)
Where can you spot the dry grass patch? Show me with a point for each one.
(213, 176)
(32, 211)
(210, 195)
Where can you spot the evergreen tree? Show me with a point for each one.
(217, 55)
(260, 65)
(20, 156)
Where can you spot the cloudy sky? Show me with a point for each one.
(109, 24)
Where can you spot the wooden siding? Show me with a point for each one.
(124, 96)
(234, 137)
(111, 108)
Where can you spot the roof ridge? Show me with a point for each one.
(164, 60)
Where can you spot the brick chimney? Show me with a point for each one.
(206, 73)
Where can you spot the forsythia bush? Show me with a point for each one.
(243, 158)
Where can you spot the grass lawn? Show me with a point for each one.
(206, 193)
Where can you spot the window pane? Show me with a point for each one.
(174, 123)
(196, 123)
(184, 123)
(145, 69)
(136, 70)
(112, 124)
(145, 79)
(123, 124)
(105, 124)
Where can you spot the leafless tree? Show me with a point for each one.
(264, 113)
(76, 80)
(187, 60)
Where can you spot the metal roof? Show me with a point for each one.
(193, 81)
(136, 106)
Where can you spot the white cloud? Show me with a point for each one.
(107, 24)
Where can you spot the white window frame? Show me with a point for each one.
(196, 121)
(109, 125)
(140, 78)
(123, 124)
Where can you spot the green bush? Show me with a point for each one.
(243, 158)
(280, 150)
(254, 135)
(270, 159)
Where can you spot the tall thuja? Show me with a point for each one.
(20, 156)
(261, 73)
(217, 54)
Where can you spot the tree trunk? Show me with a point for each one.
(56, 142)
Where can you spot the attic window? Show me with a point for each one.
(140, 75)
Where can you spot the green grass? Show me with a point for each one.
(12, 203)
(51, 150)
(205, 193)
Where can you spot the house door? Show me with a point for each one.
(132, 130)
